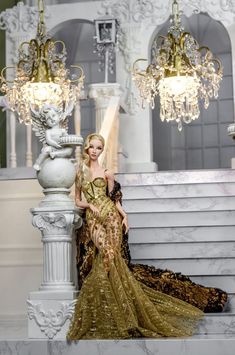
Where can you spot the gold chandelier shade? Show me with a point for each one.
(41, 75)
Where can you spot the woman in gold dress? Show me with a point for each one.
(112, 304)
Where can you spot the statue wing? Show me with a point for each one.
(38, 126)
(67, 112)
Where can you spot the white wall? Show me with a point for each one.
(20, 246)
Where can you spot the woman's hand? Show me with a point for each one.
(94, 210)
(125, 224)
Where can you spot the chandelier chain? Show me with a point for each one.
(41, 23)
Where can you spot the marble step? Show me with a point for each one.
(194, 267)
(183, 250)
(180, 204)
(176, 191)
(212, 344)
(224, 282)
(181, 234)
(217, 323)
(180, 219)
(231, 303)
(177, 177)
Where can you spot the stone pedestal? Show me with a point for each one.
(51, 308)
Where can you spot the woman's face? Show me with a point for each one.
(95, 149)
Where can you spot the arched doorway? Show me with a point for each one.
(203, 144)
(78, 36)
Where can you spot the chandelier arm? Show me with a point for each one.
(207, 49)
(3, 78)
(182, 39)
(63, 45)
(216, 60)
(81, 70)
(22, 44)
(35, 43)
(22, 61)
(134, 65)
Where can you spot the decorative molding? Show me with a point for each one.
(103, 90)
(20, 23)
(156, 12)
(50, 322)
(49, 222)
(20, 19)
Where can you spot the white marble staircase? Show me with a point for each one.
(185, 221)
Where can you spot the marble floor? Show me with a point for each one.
(14, 341)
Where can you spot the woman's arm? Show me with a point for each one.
(110, 178)
(84, 204)
(78, 200)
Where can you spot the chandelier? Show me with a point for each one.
(41, 76)
(181, 73)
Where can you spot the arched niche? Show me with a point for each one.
(203, 144)
(78, 36)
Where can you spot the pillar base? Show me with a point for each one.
(50, 313)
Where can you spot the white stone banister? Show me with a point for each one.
(29, 153)
(13, 159)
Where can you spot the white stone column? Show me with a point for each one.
(102, 93)
(29, 154)
(51, 308)
(13, 161)
(56, 228)
(77, 127)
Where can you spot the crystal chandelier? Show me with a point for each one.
(181, 73)
(41, 76)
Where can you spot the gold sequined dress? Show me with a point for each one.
(112, 304)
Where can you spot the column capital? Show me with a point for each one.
(104, 90)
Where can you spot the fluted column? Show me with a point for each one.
(29, 154)
(56, 228)
(102, 93)
(13, 161)
(77, 126)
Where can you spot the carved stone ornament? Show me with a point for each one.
(50, 322)
(49, 222)
(20, 24)
(20, 18)
(156, 12)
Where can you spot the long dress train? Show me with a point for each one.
(208, 299)
(112, 303)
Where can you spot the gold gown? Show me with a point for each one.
(112, 304)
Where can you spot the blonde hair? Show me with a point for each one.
(83, 170)
(85, 157)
